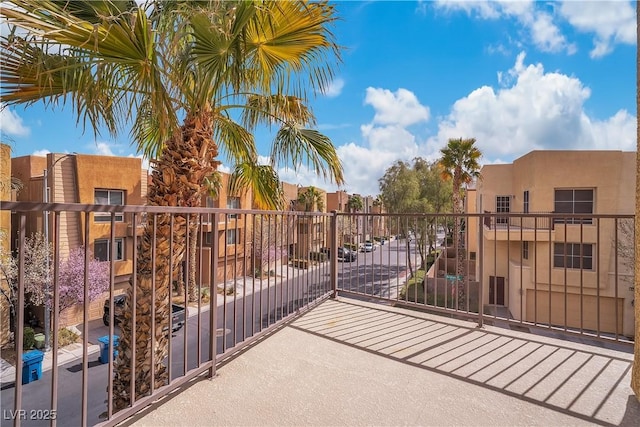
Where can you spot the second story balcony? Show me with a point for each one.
(373, 340)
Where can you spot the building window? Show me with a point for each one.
(102, 249)
(573, 255)
(211, 202)
(108, 197)
(525, 250)
(232, 237)
(233, 203)
(573, 202)
(525, 206)
(503, 205)
(207, 237)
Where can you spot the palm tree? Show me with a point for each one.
(459, 163)
(354, 204)
(172, 73)
(635, 374)
(311, 199)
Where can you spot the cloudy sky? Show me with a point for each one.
(517, 76)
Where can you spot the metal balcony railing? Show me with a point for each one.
(257, 271)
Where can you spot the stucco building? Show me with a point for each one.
(539, 267)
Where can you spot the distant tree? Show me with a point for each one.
(311, 199)
(355, 204)
(71, 279)
(268, 242)
(37, 253)
(459, 163)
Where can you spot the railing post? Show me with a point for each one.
(480, 259)
(333, 254)
(213, 294)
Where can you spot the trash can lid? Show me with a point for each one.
(105, 339)
(32, 356)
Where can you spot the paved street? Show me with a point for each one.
(377, 272)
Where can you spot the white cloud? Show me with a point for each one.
(41, 153)
(530, 109)
(334, 88)
(612, 22)
(11, 124)
(401, 108)
(103, 149)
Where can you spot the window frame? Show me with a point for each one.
(231, 232)
(503, 205)
(119, 241)
(576, 256)
(525, 203)
(106, 216)
(559, 204)
(525, 249)
(231, 201)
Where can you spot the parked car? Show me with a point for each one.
(368, 246)
(344, 254)
(177, 317)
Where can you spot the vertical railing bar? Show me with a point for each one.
(467, 226)
(260, 280)
(616, 276)
(508, 258)
(85, 323)
(186, 278)
(112, 278)
(133, 303)
(597, 265)
(581, 277)
(522, 242)
(551, 263)
(213, 294)
(495, 267)
(268, 270)
(236, 247)
(244, 275)
(566, 245)
(19, 333)
(253, 282)
(153, 302)
(171, 269)
(480, 258)
(279, 244)
(287, 230)
(200, 246)
(56, 317)
(224, 285)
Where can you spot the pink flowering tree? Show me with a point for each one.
(268, 243)
(71, 279)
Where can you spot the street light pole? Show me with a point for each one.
(45, 229)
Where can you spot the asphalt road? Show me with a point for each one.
(251, 310)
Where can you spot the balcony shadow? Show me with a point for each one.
(585, 382)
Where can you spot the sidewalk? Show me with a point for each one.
(66, 354)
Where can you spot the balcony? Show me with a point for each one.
(356, 343)
(348, 362)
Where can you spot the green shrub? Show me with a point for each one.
(29, 339)
(66, 337)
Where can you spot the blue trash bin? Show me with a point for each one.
(32, 366)
(104, 348)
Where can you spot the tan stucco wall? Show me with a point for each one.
(5, 234)
(612, 176)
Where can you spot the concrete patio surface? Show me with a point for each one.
(353, 363)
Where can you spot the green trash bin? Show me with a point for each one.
(39, 341)
(32, 366)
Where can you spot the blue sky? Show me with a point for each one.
(517, 76)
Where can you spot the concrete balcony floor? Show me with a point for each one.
(353, 363)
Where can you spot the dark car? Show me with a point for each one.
(344, 254)
(177, 317)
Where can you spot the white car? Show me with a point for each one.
(368, 247)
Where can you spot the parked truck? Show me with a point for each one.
(178, 312)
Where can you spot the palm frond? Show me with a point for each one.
(276, 109)
(295, 146)
(263, 180)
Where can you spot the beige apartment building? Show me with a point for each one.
(540, 270)
(86, 179)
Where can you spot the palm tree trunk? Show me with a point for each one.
(176, 181)
(635, 373)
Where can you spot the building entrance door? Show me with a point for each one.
(496, 290)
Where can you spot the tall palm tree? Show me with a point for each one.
(173, 74)
(459, 163)
(635, 374)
